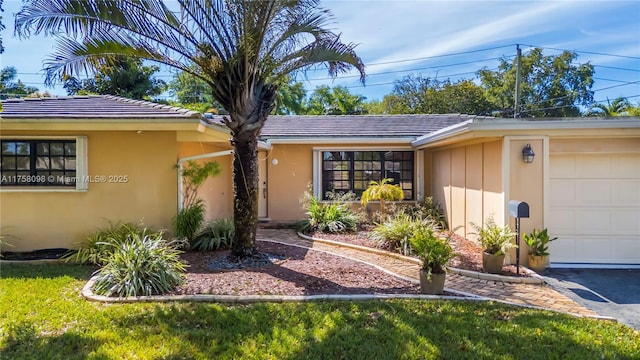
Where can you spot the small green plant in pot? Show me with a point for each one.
(435, 253)
(538, 243)
(495, 241)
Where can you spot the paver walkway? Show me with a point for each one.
(541, 295)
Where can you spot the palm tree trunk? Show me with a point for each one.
(245, 207)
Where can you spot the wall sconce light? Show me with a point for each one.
(528, 154)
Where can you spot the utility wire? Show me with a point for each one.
(440, 56)
(584, 52)
(410, 70)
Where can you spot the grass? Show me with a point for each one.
(43, 316)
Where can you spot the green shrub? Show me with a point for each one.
(395, 233)
(494, 239)
(100, 244)
(433, 251)
(215, 235)
(188, 221)
(430, 209)
(142, 265)
(330, 217)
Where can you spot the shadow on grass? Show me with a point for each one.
(379, 330)
(23, 342)
(46, 271)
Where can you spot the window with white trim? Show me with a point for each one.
(28, 163)
(344, 171)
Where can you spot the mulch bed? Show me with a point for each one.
(469, 253)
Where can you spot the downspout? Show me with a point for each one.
(195, 157)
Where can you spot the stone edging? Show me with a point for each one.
(88, 294)
(32, 262)
(533, 279)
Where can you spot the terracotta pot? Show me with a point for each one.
(492, 263)
(538, 263)
(433, 286)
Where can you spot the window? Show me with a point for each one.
(353, 170)
(31, 163)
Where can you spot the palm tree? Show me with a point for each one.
(618, 107)
(382, 191)
(242, 49)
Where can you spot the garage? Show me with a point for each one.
(594, 209)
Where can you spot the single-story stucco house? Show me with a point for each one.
(583, 184)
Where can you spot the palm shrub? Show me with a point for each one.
(396, 231)
(332, 217)
(382, 191)
(141, 266)
(215, 235)
(98, 245)
(188, 221)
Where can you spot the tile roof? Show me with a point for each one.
(91, 107)
(383, 126)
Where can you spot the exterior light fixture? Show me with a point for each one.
(528, 154)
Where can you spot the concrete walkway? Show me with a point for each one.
(536, 295)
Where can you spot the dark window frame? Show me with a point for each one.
(353, 170)
(40, 172)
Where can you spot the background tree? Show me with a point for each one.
(619, 107)
(241, 49)
(124, 76)
(634, 110)
(423, 95)
(334, 101)
(290, 98)
(10, 87)
(551, 86)
(192, 92)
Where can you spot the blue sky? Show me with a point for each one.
(399, 38)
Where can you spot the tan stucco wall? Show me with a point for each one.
(217, 191)
(526, 183)
(288, 180)
(31, 220)
(467, 182)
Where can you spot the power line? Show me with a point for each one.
(616, 68)
(585, 52)
(439, 56)
(410, 70)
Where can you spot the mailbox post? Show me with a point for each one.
(518, 209)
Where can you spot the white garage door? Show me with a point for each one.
(595, 208)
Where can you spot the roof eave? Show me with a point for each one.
(338, 140)
(477, 128)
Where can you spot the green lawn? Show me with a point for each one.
(43, 316)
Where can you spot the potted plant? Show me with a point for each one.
(538, 243)
(495, 241)
(435, 253)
